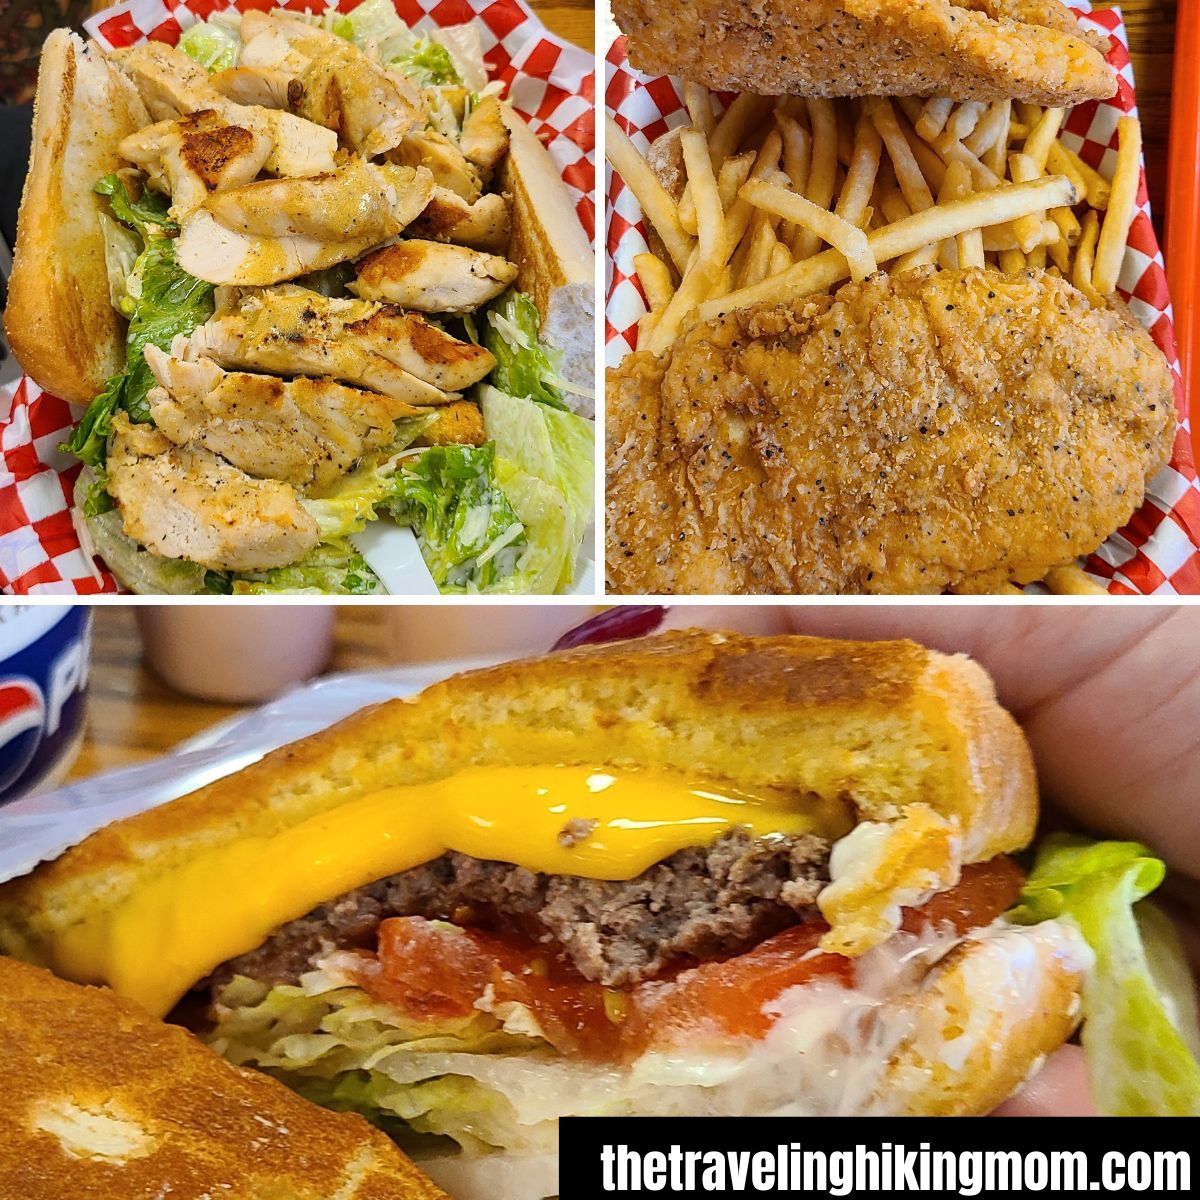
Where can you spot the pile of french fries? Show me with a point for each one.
(788, 197)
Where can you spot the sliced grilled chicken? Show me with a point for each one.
(484, 140)
(444, 161)
(186, 502)
(274, 230)
(449, 218)
(458, 424)
(290, 330)
(172, 85)
(432, 277)
(266, 34)
(370, 109)
(264, 86)
(357, 200)
(306, 432)
(195, 156)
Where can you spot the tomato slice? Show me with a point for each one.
(435, 971)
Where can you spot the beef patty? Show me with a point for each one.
(701, 903)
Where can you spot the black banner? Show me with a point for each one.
(927, 1158)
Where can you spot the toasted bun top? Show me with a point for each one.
(102, 1102)
(893, 727)
(62, 326)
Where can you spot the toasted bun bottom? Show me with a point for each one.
(102, 1102)
(979, 1025)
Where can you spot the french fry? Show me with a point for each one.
(823, 172)
(911, 107)
(656, 280)
(695, 287)
(659, 208)
(762, 243)
(992, 127)
(1028, 229)
(996, 155)
(1060, 255)
(1072, 580)
(781, 258)
(1012, 261)
(1085, 254)
(924, 257)
(699, 106)
(951, 150)
(955, 186)
(855, 196)
(933, 118)
(797, 160)
(932, 167)
(845, 131)
(738, 217)
(1044, 135)
(1098, 188)
(734, 172)
(1122, 205)
(829, 227)
(1036, 258)
(964, 119)
(1061, 163)
(710, 220)
(912, 182)
(969, 245)
(1001, 237)
(646, 323)
(816, 274)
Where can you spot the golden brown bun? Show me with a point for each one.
(892, 727)
(60, 322)
(102, 1102)
(1030, 50)
(984, 1020)
(557, 267)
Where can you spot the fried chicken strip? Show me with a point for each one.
(908, 435)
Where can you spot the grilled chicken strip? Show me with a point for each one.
(432, 277)
(307, 432)
(370, 109)
(290, 330)
(444, 161)
(172, 85)
(484, 140)
(186, 502)
(449, 218)
(262, 86)
(274, 230)
(195, 156)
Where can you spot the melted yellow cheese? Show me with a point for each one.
(224, 902)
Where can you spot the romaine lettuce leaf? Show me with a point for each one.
(452, 58)
(215, 44)
(1139, 1060)
(147, 215)
(524, 367)
(428, 63)
(121, 249)
(469, 535)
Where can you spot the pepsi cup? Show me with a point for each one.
(44, 656)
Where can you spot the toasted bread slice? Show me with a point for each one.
(910, 737)
(61, 324)
(557, 267)
(1029, 50)
(102, 1102)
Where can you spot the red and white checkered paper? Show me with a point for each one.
(550, 82)
(1158, 552)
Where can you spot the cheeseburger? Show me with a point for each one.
(692, 874)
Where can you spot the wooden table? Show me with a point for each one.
(1151, 26)
(133, 716)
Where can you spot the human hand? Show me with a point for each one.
(1109, 697)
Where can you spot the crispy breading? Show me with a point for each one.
(1028, 50)
(910, 434)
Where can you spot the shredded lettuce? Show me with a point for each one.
(1139, 1059)
(469, 535)
(428, 63)
(524, 367)
(215, 44)
(334, 568)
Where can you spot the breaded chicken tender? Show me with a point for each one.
(1030, 50)
(933, 430)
